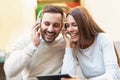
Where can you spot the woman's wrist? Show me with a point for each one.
(68, 45)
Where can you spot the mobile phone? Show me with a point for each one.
(53, 77)
(65, 26)
(39, 20)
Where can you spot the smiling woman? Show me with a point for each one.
(89, 45)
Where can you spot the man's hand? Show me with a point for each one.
(36, 34)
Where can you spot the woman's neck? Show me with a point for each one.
(88, 44)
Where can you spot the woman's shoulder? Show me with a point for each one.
(103, 38)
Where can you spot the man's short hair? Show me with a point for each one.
(53, 9)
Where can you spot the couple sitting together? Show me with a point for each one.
(58, 48)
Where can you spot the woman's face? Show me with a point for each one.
(72, 28)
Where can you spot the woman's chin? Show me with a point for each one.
(74, 40)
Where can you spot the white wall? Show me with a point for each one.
(107, 15)
(16, 18)
(10, 20)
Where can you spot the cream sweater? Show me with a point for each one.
(46, 59)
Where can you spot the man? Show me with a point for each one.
(35, 56)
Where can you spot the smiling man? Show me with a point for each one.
(51, 26)
(43, 52)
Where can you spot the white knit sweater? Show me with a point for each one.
(97, 62)
(47, 59)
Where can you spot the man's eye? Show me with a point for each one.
(56, 25)
(47, 23)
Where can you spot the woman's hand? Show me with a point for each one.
(67, 38)
(36, 34)
(73, 78)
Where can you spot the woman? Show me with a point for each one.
(88, 44)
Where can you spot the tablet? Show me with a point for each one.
(53, 77)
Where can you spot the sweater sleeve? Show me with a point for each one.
(18, 59)
(110, 61)
(69, 63)
(102, 77)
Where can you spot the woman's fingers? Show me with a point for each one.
(73, 78)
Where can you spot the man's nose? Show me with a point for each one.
(50, 28)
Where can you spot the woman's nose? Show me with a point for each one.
(70, 28)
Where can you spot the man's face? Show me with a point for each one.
(51, 26)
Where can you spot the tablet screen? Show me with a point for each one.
(53, 77)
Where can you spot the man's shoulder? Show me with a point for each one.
(23, 38)
(60, 39)
(21, 41)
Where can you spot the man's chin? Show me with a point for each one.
(49, 41)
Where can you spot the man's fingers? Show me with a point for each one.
(37, 25)
(38, 34)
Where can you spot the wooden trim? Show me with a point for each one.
(2, 73)
(117, 54)
(53, 1)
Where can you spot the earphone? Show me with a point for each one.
(39, 21)
(39, 16)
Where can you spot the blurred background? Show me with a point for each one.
(18, 16)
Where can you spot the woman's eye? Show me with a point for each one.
(74, 24)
